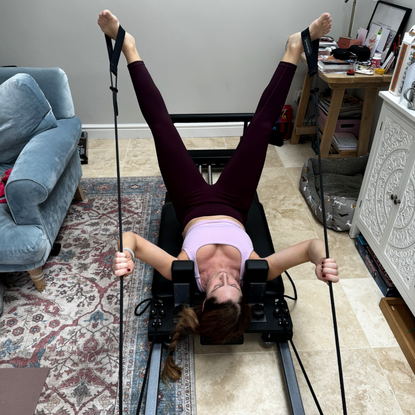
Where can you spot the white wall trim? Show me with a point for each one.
(186, 130)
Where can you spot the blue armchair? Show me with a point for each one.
(39, 135)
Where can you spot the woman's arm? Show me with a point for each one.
(312, 250)
(145, 251)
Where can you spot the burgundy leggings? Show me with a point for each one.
(234, 191)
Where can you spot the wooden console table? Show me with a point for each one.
(338, 83)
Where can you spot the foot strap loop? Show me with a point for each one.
(114, 57)
(311, 51)
(114, 53)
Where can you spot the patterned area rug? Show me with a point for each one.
(73, 326)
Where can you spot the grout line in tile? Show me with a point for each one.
(385, 376)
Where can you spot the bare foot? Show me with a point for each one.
(109, 24)
(318, 28)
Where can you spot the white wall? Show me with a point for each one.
(211, 56)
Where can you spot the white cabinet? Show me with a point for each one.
(385, 210)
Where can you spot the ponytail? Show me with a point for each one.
(220, 322)
(188, 324)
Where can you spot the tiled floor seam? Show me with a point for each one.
(357, 317)
(386, 377)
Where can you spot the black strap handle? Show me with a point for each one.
(114, 53)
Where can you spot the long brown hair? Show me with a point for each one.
(219, 322)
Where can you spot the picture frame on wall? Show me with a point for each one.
(390, 19)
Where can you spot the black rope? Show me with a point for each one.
(296, 353)
(311, 52)
(285, 330)
(114, 56)
(294, 288)
(121, 341)
(147, 300)
(306, 378)
(323, 211)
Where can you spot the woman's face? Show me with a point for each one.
(224, 287)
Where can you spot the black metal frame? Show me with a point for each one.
(402, 23)
(271, 315)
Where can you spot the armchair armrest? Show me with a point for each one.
(38, 168)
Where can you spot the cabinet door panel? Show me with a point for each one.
(391, 155)
(400, 248)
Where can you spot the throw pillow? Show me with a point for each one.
(3, 182)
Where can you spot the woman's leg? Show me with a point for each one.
(180, 174)
(233, 193)
(240, 178)
(179, 171)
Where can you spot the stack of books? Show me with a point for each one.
(344, 142)
(351, 107)
(388, 62)
(332, 65)
(375, 268)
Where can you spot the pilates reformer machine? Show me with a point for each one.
(270, 312)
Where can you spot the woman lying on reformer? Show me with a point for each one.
(213, 216)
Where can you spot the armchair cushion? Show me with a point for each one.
(17, 127)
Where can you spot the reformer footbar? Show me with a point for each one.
(114, 57)
(311, 54)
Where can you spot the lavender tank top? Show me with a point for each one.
(224, 232)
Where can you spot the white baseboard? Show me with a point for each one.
(186, 130)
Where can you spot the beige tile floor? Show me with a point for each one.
(248, 379)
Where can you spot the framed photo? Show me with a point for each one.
(388, 19)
